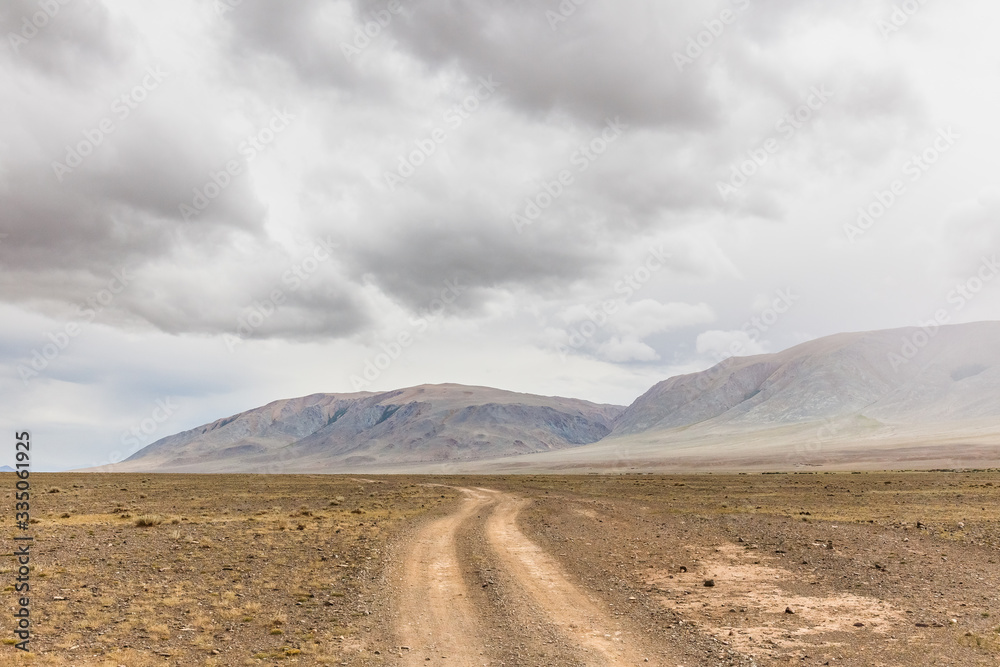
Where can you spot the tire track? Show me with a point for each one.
(439, 622)
(436, 620)
(581, 620)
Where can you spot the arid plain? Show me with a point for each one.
(757, 569)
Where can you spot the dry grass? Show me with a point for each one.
(148, 520)
(217, 576)
(229, 565)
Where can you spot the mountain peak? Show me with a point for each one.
(918, 387)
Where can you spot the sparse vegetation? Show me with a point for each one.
(238, 568)
(226, 565)
(148, 520)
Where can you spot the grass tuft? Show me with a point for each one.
(148, 520)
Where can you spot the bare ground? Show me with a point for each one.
(806, 569)
(638, 570)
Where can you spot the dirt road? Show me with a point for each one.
(436, 620)
(439, 622)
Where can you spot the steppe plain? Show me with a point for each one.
(808, 568)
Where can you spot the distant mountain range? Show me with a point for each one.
(446, 423)
(892, 399)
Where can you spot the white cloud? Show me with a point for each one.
(719, 345)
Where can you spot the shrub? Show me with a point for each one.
(148, 520)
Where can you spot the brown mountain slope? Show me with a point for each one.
(425, 424)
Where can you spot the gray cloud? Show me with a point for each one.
(74, 41)
(120, 208)
(304, 35)
(323, 177)
(601, 62)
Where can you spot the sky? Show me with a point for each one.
(207, 205)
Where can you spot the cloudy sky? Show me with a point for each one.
(206, 205)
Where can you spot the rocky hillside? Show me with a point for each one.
(896, 399)
(425, 424)
(901, 376)
(889, 399)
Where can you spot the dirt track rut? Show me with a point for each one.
(436, 619)
(438, 622)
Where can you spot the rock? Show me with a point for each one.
(683, 569)
(709, 583)
(788, 610)
(859, 625)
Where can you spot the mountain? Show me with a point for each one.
(446, 423)
(901, 398)
(954, 376)
(6, 469)
(898, 398)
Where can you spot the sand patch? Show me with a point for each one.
(746, 606)
(582, 511)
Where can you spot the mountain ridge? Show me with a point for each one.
(834, 394)
(426, 423)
